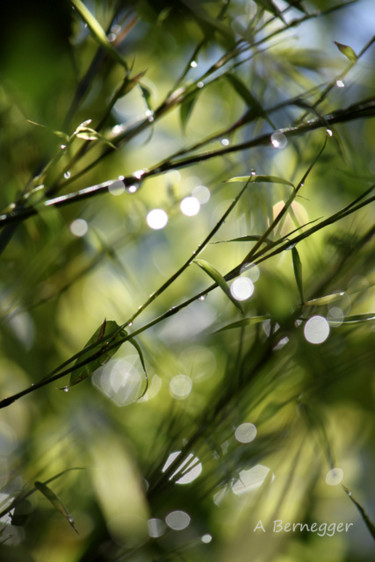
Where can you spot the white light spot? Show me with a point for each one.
(242, 288)
(245, 433)
(334, 476)
(200, 84)
(279, 140)
(122, 380)
(225, 142)
(189, 469)
(156, 528)
(206, 538)
(63, 146)
(316, 329)
(190, 206)
(67, 175)
(138, 174)
(180, 386)
(193, 64)
(202, 193)
(178, 520)
(340, 84)
(250, 479)
(329, 132)
(336, 315)
(117, 188)
(132, 188)
(157, 219)
(79, 227)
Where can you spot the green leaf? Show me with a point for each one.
(243, 322)
(327, 299)
(137, 347)
(356, 319)
(247, 238)
(260, 179)
(86, 133)
(369, 524)
(271, 7)
(297, 267)
(56, 502)
(146, 94)
(97, 30)
(247, 97)
(108, 333)
(21, 512)
(186, 109)
(347, 51)
(218, 278)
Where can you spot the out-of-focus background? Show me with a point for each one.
(252, 401)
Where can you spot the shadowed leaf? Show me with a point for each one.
(246, 238)
(244, 92)
(97, 30)
(186, 109)
(243, 322)
(56, 502)
(108, 333)
(219, 279)
(369, 524)
(297, 267)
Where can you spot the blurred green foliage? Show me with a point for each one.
(140, 140)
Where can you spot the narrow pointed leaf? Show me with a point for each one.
(146, 94)
(96, 29)
(138, 349)
(260, 179)
(247, 238)
(270, 6)
(186, 109)
(56, 502)
(243, 322)
(219, 279)
(327, 299)
(251, 101)
(356, 319)
(108, 333)
(346, 51)
(369, 524)
(297, 267)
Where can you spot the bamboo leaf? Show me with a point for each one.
(97, 30)
(297, 267)
(346, 51)
(146, 94)
(369, 524)
(138, 349)
(356, 319)
(270, 6)
(21, 512)
(250, 100)
(260, 179)
(243, 322)
(56, 502)
(186, 109)
(89, 134)
(108, 333)
(247, 238)
(218, 278)
(327, 299)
